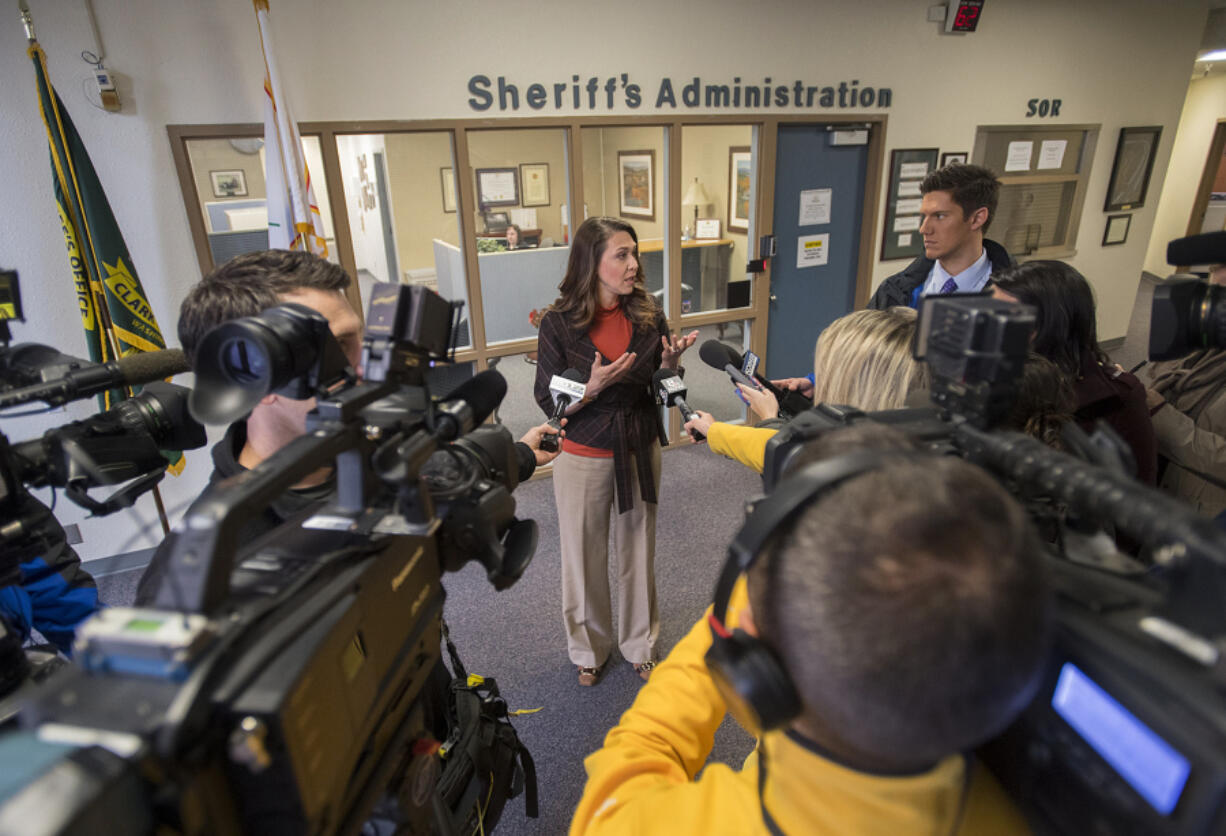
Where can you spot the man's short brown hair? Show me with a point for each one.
(909, 606)
(248, 284)
(970, 186)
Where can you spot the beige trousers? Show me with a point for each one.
(586, 498)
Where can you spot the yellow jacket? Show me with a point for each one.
(643, 782)
(746, 445)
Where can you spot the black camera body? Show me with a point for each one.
(289, 685)
(1127, 733)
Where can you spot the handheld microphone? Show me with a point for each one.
(720, 356)
(134, 370)
(672, 390)
(567, 388)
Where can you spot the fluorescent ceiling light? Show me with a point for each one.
(1215, 55)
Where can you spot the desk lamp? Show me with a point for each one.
(695, 196)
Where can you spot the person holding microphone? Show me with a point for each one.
(606, 325)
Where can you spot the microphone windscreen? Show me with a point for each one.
(573, 374)
(1207, 248)
(149, 366)
(482, 393)
(717, 355)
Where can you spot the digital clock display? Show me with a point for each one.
(964, 15)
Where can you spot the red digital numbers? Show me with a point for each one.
(967, 17)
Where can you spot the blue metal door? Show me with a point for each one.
(805, 299)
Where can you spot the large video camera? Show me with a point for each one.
(1128, 731)
(1189, 314)
(287, 685)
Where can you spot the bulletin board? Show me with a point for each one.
(908, 168)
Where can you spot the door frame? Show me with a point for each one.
(1212, 163)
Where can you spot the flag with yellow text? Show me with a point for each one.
(294, 222)
(114, 307)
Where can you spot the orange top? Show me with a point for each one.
(610, 332)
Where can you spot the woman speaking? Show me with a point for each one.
(606, 326)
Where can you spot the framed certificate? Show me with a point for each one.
(497, 187)
(534, 184)
(707, 228)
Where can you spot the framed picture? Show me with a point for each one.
(229, 183)
(707, 228)
(637, 175)
(1134, 162)
(1116, 231)
(740, 180)
(447, 176)
(908, 168)
(534, 183)
(953, 157)
(497, 187)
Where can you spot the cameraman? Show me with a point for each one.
(908, 606)
(245, 286)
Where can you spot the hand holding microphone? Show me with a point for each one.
(720, 356)
(672, 390)
(567, 388)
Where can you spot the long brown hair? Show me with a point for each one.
(580, 287)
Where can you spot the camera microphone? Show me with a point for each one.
(133, 370)
(1206, 248)
(721, 356)
(469, 404)
(567, 388)
(672, 390)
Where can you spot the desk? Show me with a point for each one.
(704, 271)
(526, 236)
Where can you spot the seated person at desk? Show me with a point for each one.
(515, 238)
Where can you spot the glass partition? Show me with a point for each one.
(624, 172)
(521, 189)
(717, 178)
(400, 198)
(228, 173)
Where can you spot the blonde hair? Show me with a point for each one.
(864, 360)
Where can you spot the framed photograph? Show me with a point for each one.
(534, 184)
(497, 187)
(740, 180)
(447, 176)
(908, 168)
(953, 157)
(637, 175)
(229, 183)
(1134, 162)
(1116, 231)
(707, 228)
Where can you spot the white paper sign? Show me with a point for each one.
(812, 250)
(909, 171)
(1018, 158)
(910, 224)
(909, 188)
(904, 240)
(910, 206)
(814, 207)
(1051, 153)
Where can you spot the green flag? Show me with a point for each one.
(115, 310)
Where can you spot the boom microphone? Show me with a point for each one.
(672, 390)
(567, 388)
(1206, 248)
(133, 370)
(724, 357)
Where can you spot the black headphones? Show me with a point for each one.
(750, 677)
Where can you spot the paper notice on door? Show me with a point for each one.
(904, 240)
(814, 207)
(910, 171)
(909, 188)
(1018, 158)
(911, 224)
(812, 250)
(1051, 153)
(910, 206)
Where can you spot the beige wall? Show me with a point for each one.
(219, 155)
(1204, 106)
(414, 163)
(509, 148)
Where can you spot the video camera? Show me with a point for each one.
(290, 685)
(1128, 731)
(1189, 314)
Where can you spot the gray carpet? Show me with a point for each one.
(516, 636)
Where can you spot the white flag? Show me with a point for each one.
(294, 222)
